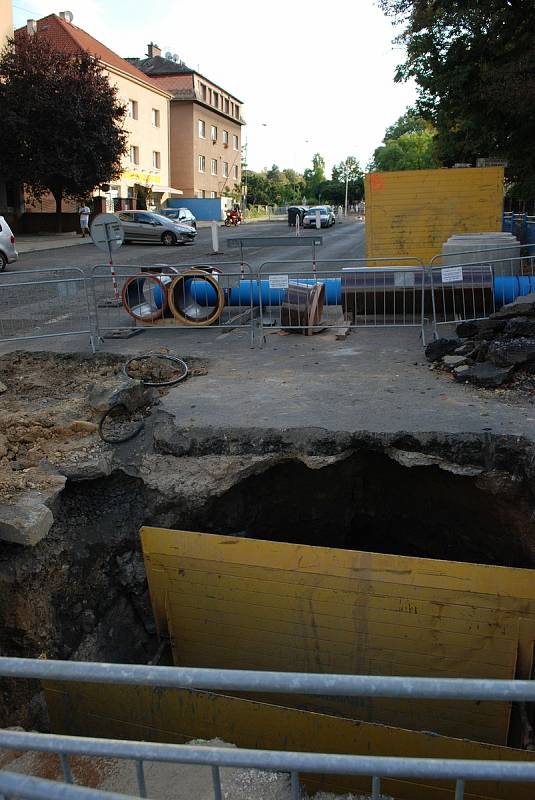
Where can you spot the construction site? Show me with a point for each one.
(267, 525)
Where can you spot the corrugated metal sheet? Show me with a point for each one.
(241, 603)
(166, 715)
(412, 213)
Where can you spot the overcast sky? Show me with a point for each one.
(314, 76)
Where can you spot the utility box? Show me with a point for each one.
(412, 213)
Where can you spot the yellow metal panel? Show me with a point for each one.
(412, 213)
(165, 715)
(240, 603)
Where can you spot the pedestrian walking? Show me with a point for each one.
(84, 212)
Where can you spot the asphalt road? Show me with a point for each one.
(342, 241)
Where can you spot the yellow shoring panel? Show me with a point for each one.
(166, 715)
(243, 603)
(413, 212)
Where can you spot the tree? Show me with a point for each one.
(409, 151)
(315, 177)
(349, 167)
(61, 125)
(474, 64)
(409, 122)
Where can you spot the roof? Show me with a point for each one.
(157, 65)
(168, 73)
(70, 39)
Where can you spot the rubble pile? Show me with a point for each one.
(492, 352)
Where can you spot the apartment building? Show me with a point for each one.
(146, 163)
(206, 122)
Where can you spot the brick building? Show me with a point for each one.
(146, 163)
(205, 124)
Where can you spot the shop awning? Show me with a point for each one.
(166, 189)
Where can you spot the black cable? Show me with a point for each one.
(128, 436)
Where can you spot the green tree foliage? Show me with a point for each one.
(315, 177)
(408, 151)
(474, 64)
(61, 125)
(409, 122)
(334, 191)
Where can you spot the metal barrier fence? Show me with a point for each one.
(474, 290)
(458, 770)
(298, 295)
(163, 297)
(44, 303)
(348, 293)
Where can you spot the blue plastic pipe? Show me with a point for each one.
(506, 289)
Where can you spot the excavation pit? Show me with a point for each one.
(81, 592)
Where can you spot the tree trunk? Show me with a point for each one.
(58, 197)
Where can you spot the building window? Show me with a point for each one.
(134, 154)
(213, 195)
(232, 109)
(226, 105)
(225, 137)
(216, 99)
(210, 96)
(236, 171)
(202, 164)
(214, 166)
(155, 118)
(202, 129)
(203, 91)
(235, 142)
(155, 159)
(237, 111)
(203, 193)
(132, 109)
(213, 133)
(225, 169)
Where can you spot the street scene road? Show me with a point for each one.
(344, 240)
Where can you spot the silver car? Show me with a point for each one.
(327, 217)
(8, 254)
(146, 226)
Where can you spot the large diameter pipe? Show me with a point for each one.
(250, 292)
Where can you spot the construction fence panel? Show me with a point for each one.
(343, 294)
(45, 303)
(162, 297)
(476, 289)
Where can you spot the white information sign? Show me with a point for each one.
(403, 279)
(452, 274)
(278, 281)
(107, 232)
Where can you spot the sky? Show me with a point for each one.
(313, 76)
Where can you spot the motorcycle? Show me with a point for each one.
(233, 218)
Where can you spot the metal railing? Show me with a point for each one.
(196, 303)
(343, 293)
(474, 290)
(458, 770)
(45, 303)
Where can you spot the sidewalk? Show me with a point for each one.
(29, 243)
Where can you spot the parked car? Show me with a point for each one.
(146, 226)
(183, 215)
(327, 217)
(8, 254)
